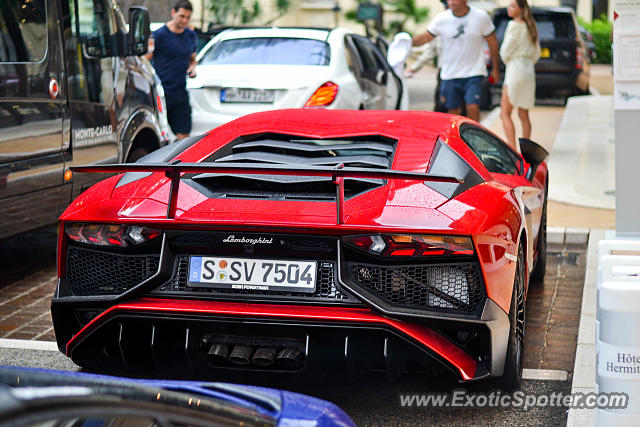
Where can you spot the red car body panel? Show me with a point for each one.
(493, 213)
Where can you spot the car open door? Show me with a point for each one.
(373, 77)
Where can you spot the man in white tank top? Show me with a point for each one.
(463, 31)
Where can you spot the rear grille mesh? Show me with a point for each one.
(93, 272)
(326, 290)
(451, 287)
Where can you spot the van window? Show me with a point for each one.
(23, 30)
(96, 28)
(90, 48)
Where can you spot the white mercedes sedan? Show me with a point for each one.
(242, 71)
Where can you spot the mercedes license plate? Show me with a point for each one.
(252, 274)
(258, 96)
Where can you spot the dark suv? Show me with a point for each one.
(563, 67)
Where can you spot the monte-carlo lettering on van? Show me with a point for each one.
(85, 137)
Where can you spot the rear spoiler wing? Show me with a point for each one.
(173, 171)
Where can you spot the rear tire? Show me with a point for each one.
(512, 376)
(136, 153)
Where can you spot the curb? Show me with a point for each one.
(584, 368)
(567, 236)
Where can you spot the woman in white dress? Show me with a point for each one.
(519, 51)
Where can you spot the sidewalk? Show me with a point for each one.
(582, 187)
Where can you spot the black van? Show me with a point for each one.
(73, 91)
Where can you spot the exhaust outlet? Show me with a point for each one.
(289, 358)
(219, 352)
(264, 356)
(241, 354)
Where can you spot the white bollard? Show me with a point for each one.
(618, 330)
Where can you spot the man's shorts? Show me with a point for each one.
(455, 92)
(179, 112)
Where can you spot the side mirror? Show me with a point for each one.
(533, 153)
(139, 32)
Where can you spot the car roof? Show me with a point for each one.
(303, 33)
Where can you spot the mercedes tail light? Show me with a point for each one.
(411, 245)
(323, 96)
(110, 234)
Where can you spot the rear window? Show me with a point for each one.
(550, 26)
(268, 51)
(558, 26)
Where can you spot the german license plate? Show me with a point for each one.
(545, 52)
(257, 96)
(252, 274)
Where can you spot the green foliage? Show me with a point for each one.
(229, 12)
(600, 29)
(407, 9)
(282, 7)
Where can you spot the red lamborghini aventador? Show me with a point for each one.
(306, 239)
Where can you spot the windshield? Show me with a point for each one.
(268, 51)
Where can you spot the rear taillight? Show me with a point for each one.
(159, 103)
(411, 245)
(323, 96)
(110, 234)
(579, 58)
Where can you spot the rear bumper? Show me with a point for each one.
(173, 333)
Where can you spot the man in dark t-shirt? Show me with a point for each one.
(174, 57)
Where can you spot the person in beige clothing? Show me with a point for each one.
(519, 51)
